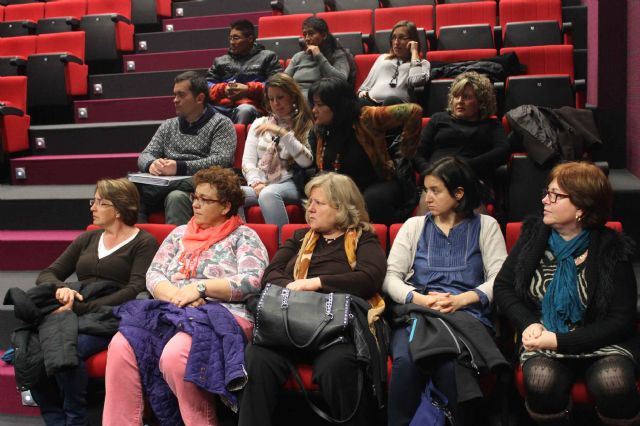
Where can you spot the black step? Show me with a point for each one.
(174, 41)
(133, 85)
(103, 138)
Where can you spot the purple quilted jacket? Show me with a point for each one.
(216, 359)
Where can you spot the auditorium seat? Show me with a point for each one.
(437, 92)
(466, 29)
(109, 29)
(14, 121)
(532, 23)
(285, 47)
(385, 19)
(14, 52)
(460, 55)
(342, 5)
(20, 19)
(553, 91)
(290, 229)
(61, 16)
(241, 137)
(281, 26)
(349, 21)
(401, 3)
(363, 66)
(57, 71)
(483, 12)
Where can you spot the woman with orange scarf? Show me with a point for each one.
(213, 260)
(340, 253)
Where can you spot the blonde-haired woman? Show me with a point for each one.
(110, 262)
(275, 145)
(339, 253)
(467, 129)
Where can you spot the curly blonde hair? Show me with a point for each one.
(344, 196)
(481, 86)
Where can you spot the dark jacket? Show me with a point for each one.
(47, 343)
(610, 314)
(549, 134)
(497, 68)
(252, 69)
(216, 358)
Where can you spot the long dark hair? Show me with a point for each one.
(338, 95)
(329, 45)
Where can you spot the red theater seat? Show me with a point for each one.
(290, 229)
(544, 59)
(348, 21)
(14, 52)
(14, 121)
(20, 19)
(109, 29)
(61, 16)
(295, 212)
(363, 65)
(281, 26)
(241, 137)
(531, 23)
(483, 12)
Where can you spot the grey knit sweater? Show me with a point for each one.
(213, 145)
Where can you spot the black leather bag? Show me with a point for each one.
(304, 320)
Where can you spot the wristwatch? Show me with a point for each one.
(202, 288)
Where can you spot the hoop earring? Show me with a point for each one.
(295, 109)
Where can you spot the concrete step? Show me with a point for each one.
(132, 109)
(133, 85)
(176, 41)
(164, 61)
(211, 21)
(32, 250)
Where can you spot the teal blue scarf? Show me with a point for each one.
(561, 304)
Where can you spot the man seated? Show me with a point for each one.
(198, 138)
(236, 80)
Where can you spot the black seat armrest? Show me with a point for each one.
(9, 110)
(277, 5)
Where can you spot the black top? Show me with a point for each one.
(329, 262)
(482, 143)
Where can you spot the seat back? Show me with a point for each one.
(13, 91)
(349, 21)
(437, 93)
(531, 33)
(483, 12)
(291, 7)
(70, 42)
(121, 7)
(18, 46)
(241, 137)
(351, 42)
(383, 41)
(393, 232)
(158, 230)
(545, 60)
(553, 91)
(459, 37)
(268, 234)
(460, 55)
(285, 47)
(514, 229)
(74, 8)
(421, 15)
(24, 12)
(289, 229)
(342, 5)
(527, 10)
(363, 65)
(281, 26)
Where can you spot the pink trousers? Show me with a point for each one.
(124, 400)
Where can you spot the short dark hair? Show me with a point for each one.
(124, 196)
(589, 190)
(456, 173)
(198, 84)
(245, 27)
(329, 44)
(226, 182)
(338, 95)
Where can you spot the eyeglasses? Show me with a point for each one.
(553, 196)
(100, 202)
(394, 79)
(236, 38)
(399, 38)
(202, 200)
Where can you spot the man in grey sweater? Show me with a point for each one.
(196, 139)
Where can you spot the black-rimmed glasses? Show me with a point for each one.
(553, 196)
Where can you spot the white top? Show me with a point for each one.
(410, 74)
(403, 252)
(104, 252)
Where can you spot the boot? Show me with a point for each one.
(609, 421)
(553, 419)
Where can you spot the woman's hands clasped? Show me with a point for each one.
(66, 296)
(536, 338)
(187, 296)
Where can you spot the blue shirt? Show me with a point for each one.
(452, 263)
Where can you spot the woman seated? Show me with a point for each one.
(467, 129)
(323, 56)
(117, 253)
(394, 75)
(341, 254)
(569, 289)
(445, 261)
(350, 139)
(213, 264)
(274, 145)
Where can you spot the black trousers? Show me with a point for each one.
(335, 370)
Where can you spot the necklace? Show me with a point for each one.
(336, 161)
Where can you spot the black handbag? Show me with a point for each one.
(304, 320)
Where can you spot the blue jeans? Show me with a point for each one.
(272, 201)
(242, 114)
(62, 398)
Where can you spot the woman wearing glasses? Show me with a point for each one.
(275, 145)
(323, 56)
(569, 289)
(350, 139)
(214, 258)
(118, 253)
(394, 75)
(445, 261)
(466, 129)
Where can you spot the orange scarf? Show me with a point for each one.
(309, 244)
(196, 240)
